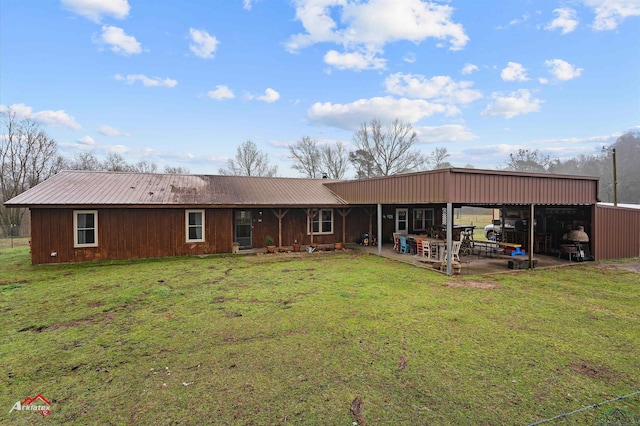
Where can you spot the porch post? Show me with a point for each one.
(379, 229)
(449, 235)
(531, 235)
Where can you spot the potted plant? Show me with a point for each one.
(269, 244)
(337, 245)
(296, 246)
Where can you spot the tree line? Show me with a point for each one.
(627, 149)
(381, 150)
(29, 156)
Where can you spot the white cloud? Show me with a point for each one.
(350, 116)
(86, 140)
(566, 20)
(469, 68)
(514, 21)
(147, 81)
(355, 61)
(611, 13)
(203, 44)
(246, 4)
(95, 9)
(47, 117)
(514, 72)
(119, 41)
(221, 92)
(445, 133)
(517, 103)
(562, 70)
(543, 80)
(110, 131)
(269, 96)
(409, 58)
(440, 88)
(368, 26)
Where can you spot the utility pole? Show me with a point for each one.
(615, 175)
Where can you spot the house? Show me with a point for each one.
(83, 215)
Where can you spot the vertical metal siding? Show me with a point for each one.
(470, 187)
(617, 233)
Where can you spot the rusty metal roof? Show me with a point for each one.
(83, 188)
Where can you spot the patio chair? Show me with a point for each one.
(419, 247)
(396, 241)
(455, 251)
(404, 245)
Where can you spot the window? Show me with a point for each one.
(195, 225)
(422, 218)
(402, 220)
(85, 228)
(322, 222)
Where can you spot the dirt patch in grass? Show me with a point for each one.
(593, 371)
(482, 285)
(631, 266)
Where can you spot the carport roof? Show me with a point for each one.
(470, 187)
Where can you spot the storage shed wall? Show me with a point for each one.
(126, 234)
(617, 233)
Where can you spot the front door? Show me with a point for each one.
(243, 229)
(402, 221)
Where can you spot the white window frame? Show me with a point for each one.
(317, 217)
(405, 220)
(75, 228)
(187, 226)
(425, 222)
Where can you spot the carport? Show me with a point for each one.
(558, 203)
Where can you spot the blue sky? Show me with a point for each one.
(184, 83)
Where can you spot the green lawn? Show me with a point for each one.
(280, 339)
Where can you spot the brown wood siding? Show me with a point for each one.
(617, 233)
(467, 186)
(294, 227)
(126, 234)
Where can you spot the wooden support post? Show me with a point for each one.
(280, 214)
(344, 213)
(370, 212)
(311, 213)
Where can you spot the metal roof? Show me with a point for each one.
(460, 186)
(83, 188)
(470, 186)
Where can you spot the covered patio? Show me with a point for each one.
(471, 264)
(549, 207)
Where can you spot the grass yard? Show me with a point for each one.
(282, 339)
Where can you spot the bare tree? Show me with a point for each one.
(144, 166)
(116, 163)
(334, 160)
(437, 157)
(249, 161)
(306, 157)
(530, 161)
(28, 156)
(389, 148)
(84, 161)
(171, 170)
